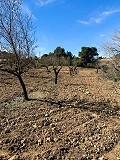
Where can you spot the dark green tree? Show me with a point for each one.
(59, 52)
(88, 55)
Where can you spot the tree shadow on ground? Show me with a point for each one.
(72, 84)
(102, 107)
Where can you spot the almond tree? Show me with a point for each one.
(112, 49)
(17, 39)
(57, 61)
(45, 61)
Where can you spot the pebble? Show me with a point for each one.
(48, 139)
(35, 126)
(40, 141)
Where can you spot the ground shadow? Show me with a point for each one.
(102, 107)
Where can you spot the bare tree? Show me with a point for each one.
(54, 61)
(17, 39)
(112, 49)
(57, 64)
(72, 64)
(45, 61)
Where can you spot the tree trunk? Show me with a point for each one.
(56, 77)
(47, 69)
(70, 70)
(97, 70)
(56, 71)
(23, 87)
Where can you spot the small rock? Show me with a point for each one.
(55, 139)
(40, 142)
(22, 141)
(7, 130)
(48, 139)
(87, 92)
(55, 120)
(46, 115)
(52, 125)
(35, 126)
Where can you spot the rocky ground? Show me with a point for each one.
(77, 119)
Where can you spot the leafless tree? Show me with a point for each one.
(17, 39)
(45, 61)
(54, 61)
(112, 49)
(73, 67)
(57, 64)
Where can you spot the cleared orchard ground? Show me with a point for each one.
(75, 119)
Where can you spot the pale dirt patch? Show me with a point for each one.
(37, 95)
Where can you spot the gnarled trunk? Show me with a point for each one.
(23, 87)
(56, 71)
(56, 77)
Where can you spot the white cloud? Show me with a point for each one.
(98, 19)
(102, 35)
(83, 22)
(43, 3)
(106, 13)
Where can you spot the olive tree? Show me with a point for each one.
(17, 39)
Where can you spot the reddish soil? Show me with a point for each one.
(77, 119)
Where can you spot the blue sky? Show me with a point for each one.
(72, 24)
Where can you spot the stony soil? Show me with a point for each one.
(77, 119)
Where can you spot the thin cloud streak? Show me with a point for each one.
(100, 18)
(83, 22)
(106, 13)
(43, 3)
(102, 35)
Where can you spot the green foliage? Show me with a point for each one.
(57, 58)
(59, 52)
(88, 56)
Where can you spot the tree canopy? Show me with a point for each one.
(58, 57)
(88, 55)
